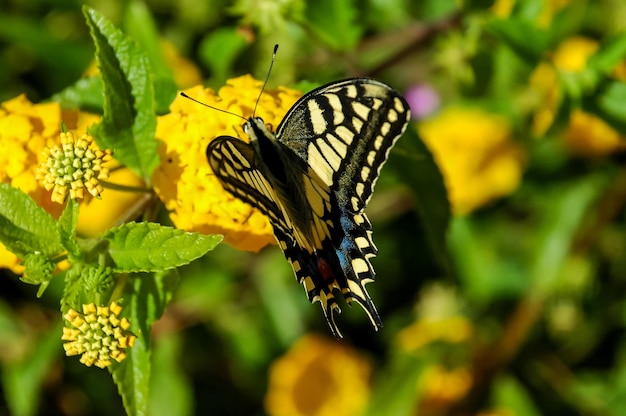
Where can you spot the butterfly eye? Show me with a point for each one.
(246, 127)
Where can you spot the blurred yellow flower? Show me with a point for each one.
(184, 181)
(476, 155)
(504, 8)
(318, 377)
(586, 134)
(453, 330)
(440, 386)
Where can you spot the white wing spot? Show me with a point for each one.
(361, 110)
(317, 120)
(351, 91)
(397, 103)
(330, 154)
(319, 165)
(337, 144)
(371, 157)
(360, 266)
(378, 142)
(365, 173)
(361, 242)
(356, 203)
(345, 134)
(357, 123)
(335, 104)
(356, 289)
(385, 128)
(392, 116)
(360, 187)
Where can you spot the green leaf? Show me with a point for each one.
(22, 380)
(336, 22)
(149, 247)
(67, 228)
(608, 104)
(140, 25)
(25, 227)
(129, 122)
(610, 54)
(413, 162)
(86, 94)
(147, 300)
(523, 37)
(219, 49)
(170, 387)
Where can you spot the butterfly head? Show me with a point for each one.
(256, 129)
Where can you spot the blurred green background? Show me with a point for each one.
(520, 312)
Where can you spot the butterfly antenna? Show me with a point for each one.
(211, 107)
(267, 77)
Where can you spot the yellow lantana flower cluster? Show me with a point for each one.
(97, 334)
(318, 377)
(476, 155)
(25, 130)
(184, 181)
(72, 167)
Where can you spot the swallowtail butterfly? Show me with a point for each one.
(313, 178)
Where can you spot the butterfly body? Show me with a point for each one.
(313, 179)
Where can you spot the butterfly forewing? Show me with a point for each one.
(314, 179)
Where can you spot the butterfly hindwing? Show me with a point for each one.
(313, 180)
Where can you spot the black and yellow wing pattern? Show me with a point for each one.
(314, 177)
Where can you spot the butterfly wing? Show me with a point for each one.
(315, 182)
(344, 132)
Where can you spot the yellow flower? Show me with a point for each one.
(570, 56)
(453, 330)
(318, 377)
(588, 135)
(184, 181)
(72, 167)
(476, 155)
(440, 386)
(97, 334)
(25, 130)
(503, 9)
(439, 320)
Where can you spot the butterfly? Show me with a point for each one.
(313, 179)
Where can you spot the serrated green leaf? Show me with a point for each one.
(86, 94)
(129, 122)
(414, 163)
(335, 22)
(149, 247)
(67, 228)
(140, 25)
(25, 227)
